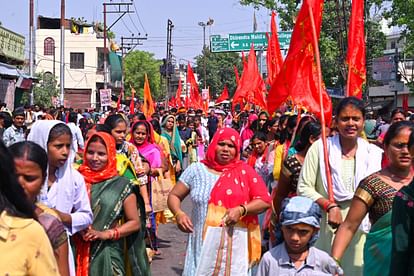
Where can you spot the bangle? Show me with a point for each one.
(332, 206)
(244, 212)
(325, 205)
(112, 234)
(338, 261)
(179, 213)
(117, 234)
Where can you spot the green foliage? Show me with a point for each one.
(219, 71)
(43, 91)
(136, 64)
(333, 38)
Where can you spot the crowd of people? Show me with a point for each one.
(77, 196)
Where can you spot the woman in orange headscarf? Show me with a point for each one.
(114, 199)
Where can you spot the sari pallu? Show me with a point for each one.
(109, 256)
(377, 248)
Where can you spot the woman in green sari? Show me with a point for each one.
(111, 246)
(375, 195)
(170, 131)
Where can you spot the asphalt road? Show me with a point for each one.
(173, 244)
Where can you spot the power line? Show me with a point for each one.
(139, 19)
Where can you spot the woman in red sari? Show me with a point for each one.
(224, 191)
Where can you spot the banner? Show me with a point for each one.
(105, 96)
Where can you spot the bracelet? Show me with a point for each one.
(331, 207)
(338, 261)
(244, 212)
(325, 205)
(117, 234)
(112, 232)
(179, 213)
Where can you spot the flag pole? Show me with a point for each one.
(319, 84)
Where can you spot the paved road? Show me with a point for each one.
(173, 245)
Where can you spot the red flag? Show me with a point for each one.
(148, 106)
(405, 102)
(178, 101)
(236, 73)
(118, 103)
(132, 103)
(196, 100)
(356, 51)
(251, 87)
(298, 77)
(172, 102)
(274, 59)
(224, 95)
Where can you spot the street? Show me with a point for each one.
(173, 245)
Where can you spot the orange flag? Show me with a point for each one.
(178, 101)
(148, 106)
(274, 59)
(118, 103)
(196, 101)
(251, 87)
(132, 103)
(298, 77)
(356, 51)
(224, 95)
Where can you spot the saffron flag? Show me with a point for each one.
(178, 101)
(118, 103)
(236, 74)
(356, 51)
(196, 101)
(298, 78)
(148, 106)
(274, 59)
(251, 87)
(224, 95)
(132, 103)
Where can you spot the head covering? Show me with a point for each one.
(211, 158)
(39, 134)
(297, 210)
(174, 139)
(150, 134)
(93, 177)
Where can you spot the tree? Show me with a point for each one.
(44, 91)
(333, 39)
(137, 64)
(219, 70)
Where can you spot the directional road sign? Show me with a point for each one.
(243, 41)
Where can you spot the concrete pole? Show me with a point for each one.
(31, 48)
(105, 52)
(62, 52)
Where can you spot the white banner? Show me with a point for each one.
(105, 95)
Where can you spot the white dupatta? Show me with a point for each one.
(367, 161)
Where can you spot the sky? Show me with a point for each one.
(150, 18)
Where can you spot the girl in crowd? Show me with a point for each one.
(64, 189)
(402, 225)
(24, 244)
(142, 136)
(170, 132)
(351, 159)
(375, 195)
(113, 199)
(30, 161)
(117, 126)
(292, 165)
(224, 190)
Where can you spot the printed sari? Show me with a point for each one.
(238, 184)
(174, 139)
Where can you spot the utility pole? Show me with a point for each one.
(62, 52)
(168, 68)
(31, 48)
(120, 8)
(127, 45)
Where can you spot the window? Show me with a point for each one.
(49, 46)
(393, 44)
(77, 60)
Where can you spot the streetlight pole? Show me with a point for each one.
(204, 24)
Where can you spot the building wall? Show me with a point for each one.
(87, 43)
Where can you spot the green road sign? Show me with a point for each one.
(242, 42)
(219, 44)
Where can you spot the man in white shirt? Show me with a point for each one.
(77, 138)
